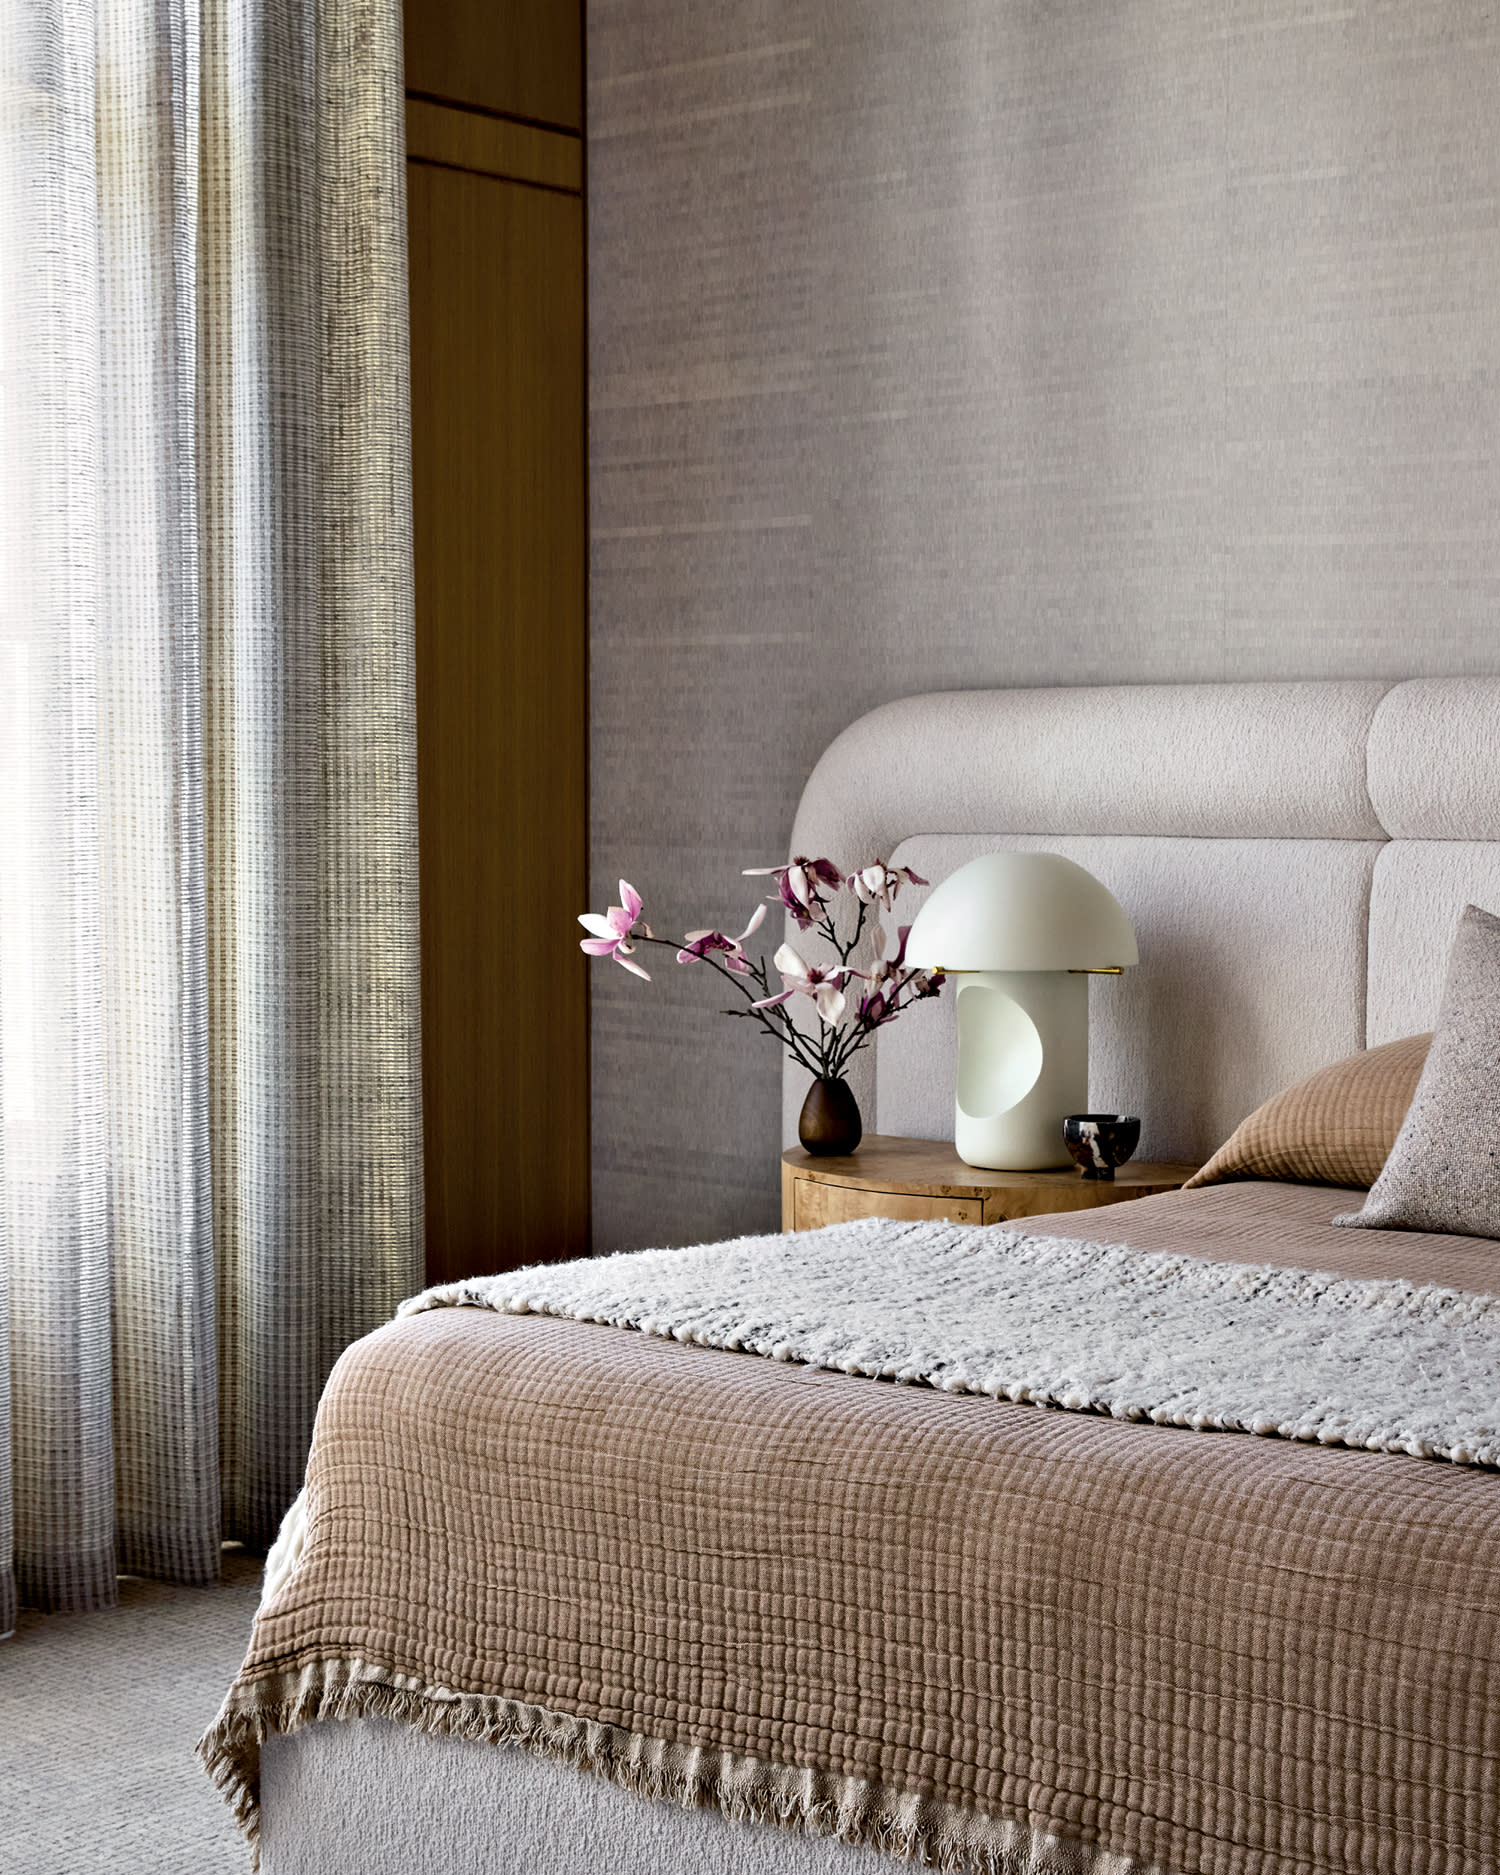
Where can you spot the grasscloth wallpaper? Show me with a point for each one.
(957, 343)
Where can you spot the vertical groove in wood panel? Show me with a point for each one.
(498, 436)
(586, 452)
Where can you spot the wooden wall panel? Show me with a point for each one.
(497, 321)
(492, 146)
(522, 58)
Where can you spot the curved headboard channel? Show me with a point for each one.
(1294, 857)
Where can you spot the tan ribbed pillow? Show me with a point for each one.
(1335, 1128)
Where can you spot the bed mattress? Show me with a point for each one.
(986, 1635)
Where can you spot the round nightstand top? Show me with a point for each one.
(931, 1168)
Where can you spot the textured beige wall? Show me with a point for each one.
(955, 343)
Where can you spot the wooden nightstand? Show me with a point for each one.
(922, 1178)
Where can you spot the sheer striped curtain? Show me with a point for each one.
(210, 1173)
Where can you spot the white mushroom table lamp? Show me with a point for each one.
(1020, 933)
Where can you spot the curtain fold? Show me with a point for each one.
(153, 1141)
(210, 1173)
(310, 675)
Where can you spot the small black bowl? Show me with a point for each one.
(1098, 1142)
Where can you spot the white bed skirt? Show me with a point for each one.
(371, 1797)
(374, 1798)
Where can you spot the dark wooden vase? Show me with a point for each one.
(830, 1124)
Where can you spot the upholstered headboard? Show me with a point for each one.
(1294, 857)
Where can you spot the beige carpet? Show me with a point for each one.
(98, 1718)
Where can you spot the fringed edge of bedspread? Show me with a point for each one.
(747, 1790)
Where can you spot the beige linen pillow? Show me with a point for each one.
(1444, 1170)
(1335, 1128)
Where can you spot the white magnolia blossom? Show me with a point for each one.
(804, 979)
(879, 883)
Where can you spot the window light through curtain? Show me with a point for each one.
(210, 1170)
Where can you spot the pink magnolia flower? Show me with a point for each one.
(874, 1009)
(699, 944)
(805, 979)
(798, 885)
(879, 883)
(882, 1005)
(612, 931)
(885, 968)
(891, 980)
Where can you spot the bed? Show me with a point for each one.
(578, 1597)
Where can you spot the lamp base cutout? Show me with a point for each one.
(1023, 1066)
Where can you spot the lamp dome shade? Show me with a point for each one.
(1021, 911)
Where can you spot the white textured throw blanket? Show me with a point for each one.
(1098, 1328)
